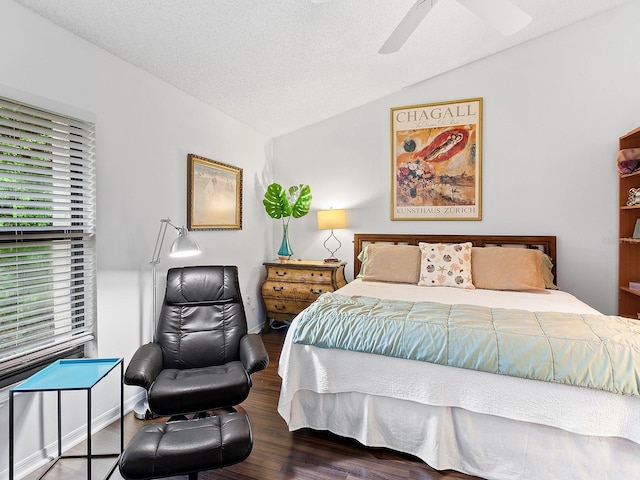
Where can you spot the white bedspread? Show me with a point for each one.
(308, 370)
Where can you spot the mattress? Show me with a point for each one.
(455, 418)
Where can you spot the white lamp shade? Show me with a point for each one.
(184, 246)
(332, 219)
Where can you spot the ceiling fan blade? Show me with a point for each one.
(407, 25)
(502, 15)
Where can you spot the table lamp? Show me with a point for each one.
(332, 220)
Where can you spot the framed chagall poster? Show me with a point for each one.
(436, 161)
(214, 195)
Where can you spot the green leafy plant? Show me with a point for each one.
(280, 203)
(286, 203)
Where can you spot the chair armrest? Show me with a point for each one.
(253, 354)
(144, 367)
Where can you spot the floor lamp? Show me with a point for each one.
(182, 246)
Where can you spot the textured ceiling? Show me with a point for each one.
(279, 65)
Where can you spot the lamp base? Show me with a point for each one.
(332, 252)
(141, 410)
(331, 260)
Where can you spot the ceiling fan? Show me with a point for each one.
(500, 14)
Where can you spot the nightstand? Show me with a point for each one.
(292, 285)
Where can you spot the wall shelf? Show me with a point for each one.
(629, 175)
(628, 248)
(631, 291)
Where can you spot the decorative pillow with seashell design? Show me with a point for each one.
(445, 265)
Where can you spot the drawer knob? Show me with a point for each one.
(279, 307)
(281, 274)
(277, 288)
(316, 292)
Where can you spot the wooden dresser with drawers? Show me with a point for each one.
(292, 285)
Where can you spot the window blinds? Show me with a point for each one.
(47, 234)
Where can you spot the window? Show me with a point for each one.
(47, 238)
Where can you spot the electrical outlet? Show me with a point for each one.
(250, 303)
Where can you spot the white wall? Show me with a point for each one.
(553, 111)
(144, 130)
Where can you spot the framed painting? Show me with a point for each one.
(214, 195)
(436, 161)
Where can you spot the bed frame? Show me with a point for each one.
(546, 244)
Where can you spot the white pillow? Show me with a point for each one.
(445, 265)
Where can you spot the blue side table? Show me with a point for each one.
(72, 374)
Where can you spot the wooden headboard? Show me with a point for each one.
(545, 243)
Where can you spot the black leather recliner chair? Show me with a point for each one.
(202, 357)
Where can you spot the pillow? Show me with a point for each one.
(547, 272)
(501, 268)
(362, 256)
(392, 263)
(446, 265)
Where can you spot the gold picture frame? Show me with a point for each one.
(436, 161)
(214, 195)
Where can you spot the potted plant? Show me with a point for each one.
(286, 203)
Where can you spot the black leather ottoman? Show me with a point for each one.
(187, 447)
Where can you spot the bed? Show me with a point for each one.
(485, 424)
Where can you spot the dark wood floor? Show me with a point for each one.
(277, 453)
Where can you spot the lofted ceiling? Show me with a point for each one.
(279, 65)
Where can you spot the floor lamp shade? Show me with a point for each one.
(184, 245)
